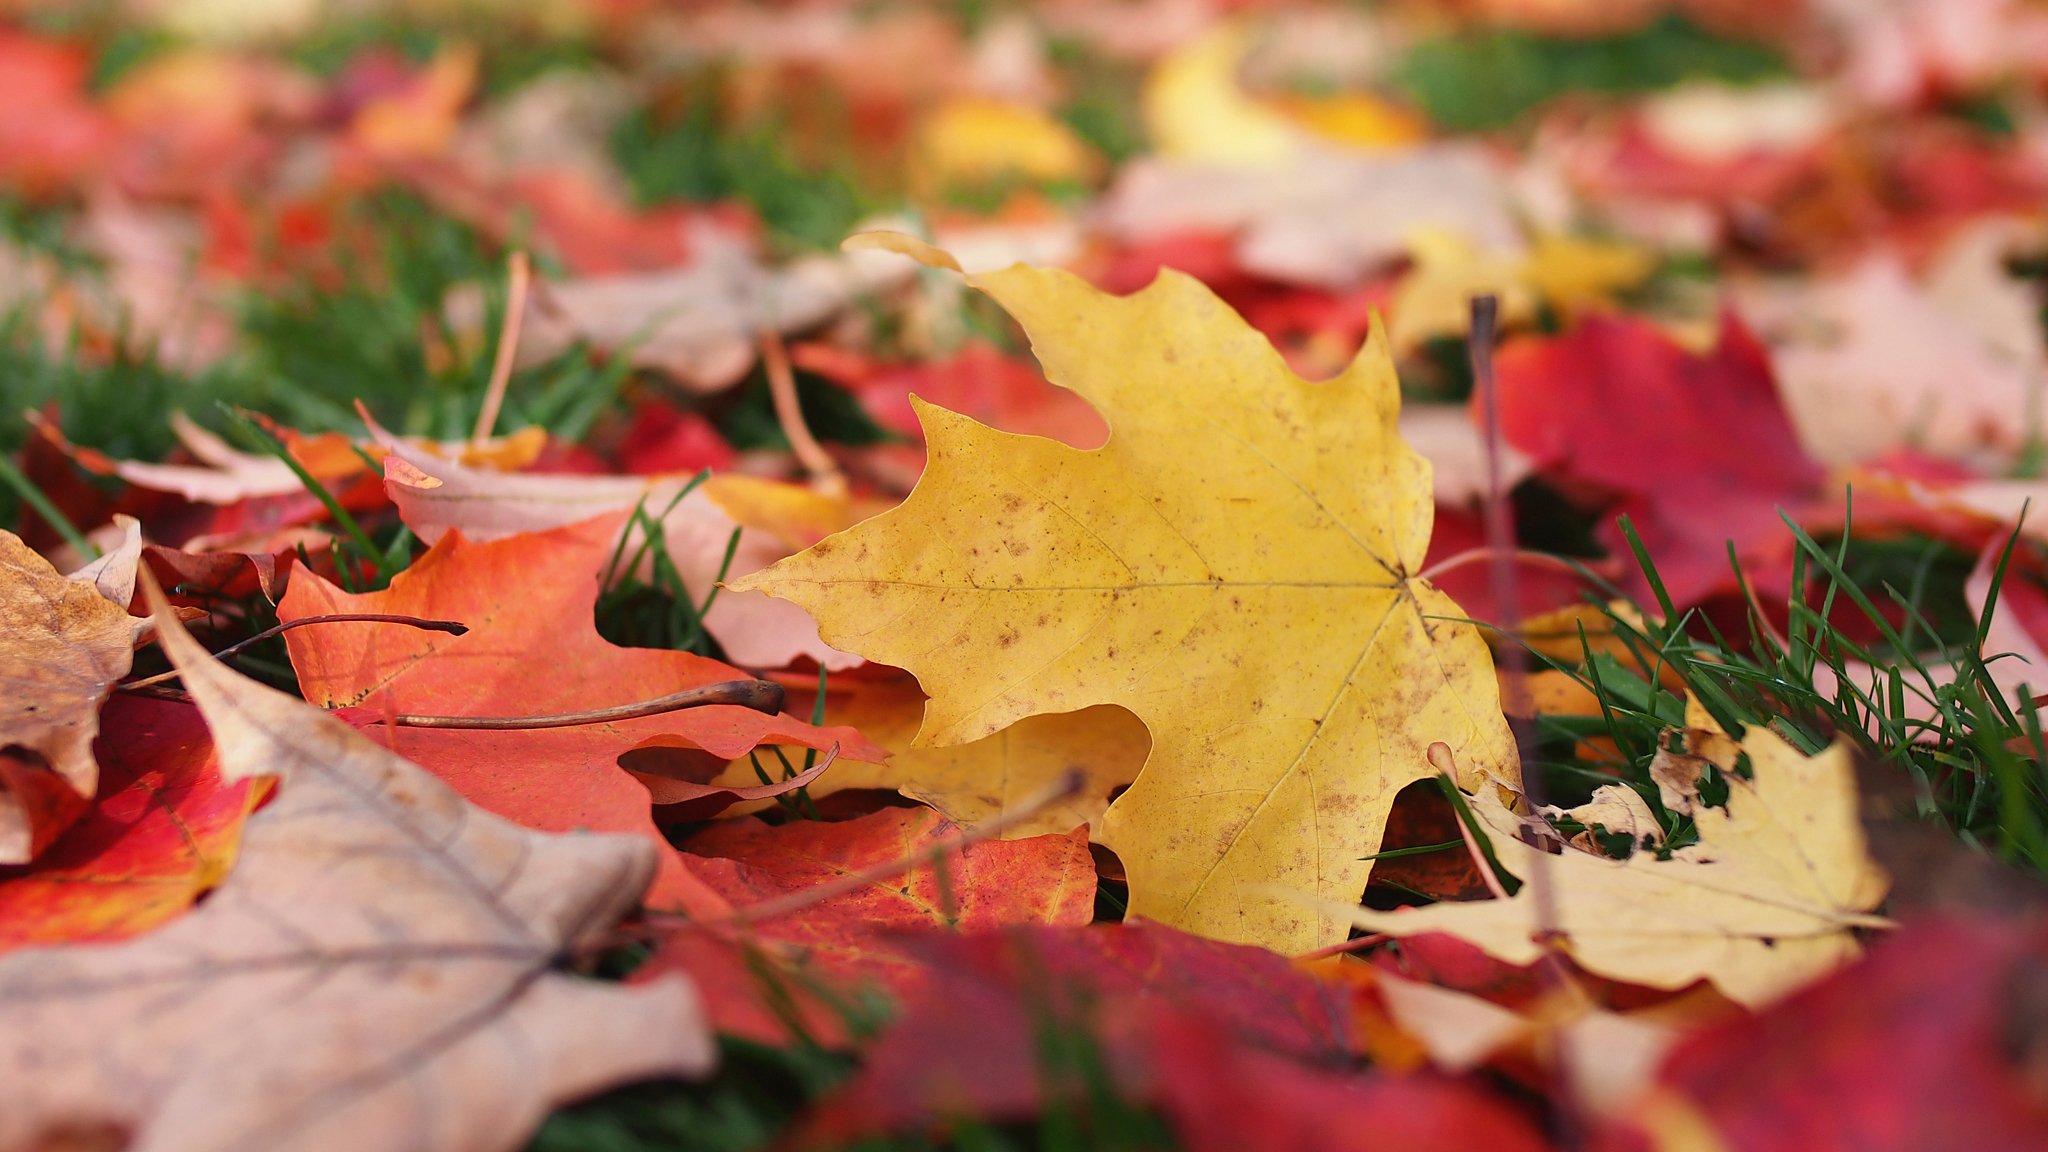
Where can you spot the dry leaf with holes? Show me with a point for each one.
(380, 970)
(1766, 901)
(983, 779)
(1236, 566)
(64, 642)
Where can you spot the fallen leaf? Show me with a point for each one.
(164, 832)
(1326, 219)
(1234, 566)
(1933, 1040)
(1220, 1099)
(993, 884)
(1457, 454)
(1696, 450)
(527, 600)
(51, 133)
(1618, 810)
(1872, 361)
(962, 1043)
(1195, 111)
(856, 942)
(1608, 1059)
(63, 645)
(225, 475)
(987, 778)
(1232, 1044)
(1434, 298)
(436, 497)
(699, 322)
(975, 140)
(1766, 901)
(367, 891)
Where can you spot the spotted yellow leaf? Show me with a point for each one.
(1235, 566)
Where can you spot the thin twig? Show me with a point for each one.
(760, 695)
(1518, 555)
(1066, 786)
(452, 627)
(1514, 665)
(825, 474)
(508, 346)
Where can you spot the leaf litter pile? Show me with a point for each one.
(1141, 575)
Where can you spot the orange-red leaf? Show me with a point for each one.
(165, 831)
(532, 649)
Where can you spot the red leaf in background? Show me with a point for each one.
(1937, 1039)
(1696, 450)
(1329, 325)
(163, 832)
(532, 649)
(1221, 1098)
(593, 233)
(854, 941)
(1539, 587)
(978, 380)
(663, 438)
(51, 135)
(1239, 1048)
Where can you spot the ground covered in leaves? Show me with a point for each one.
(1164, 574)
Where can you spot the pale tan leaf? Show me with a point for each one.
(381, 970)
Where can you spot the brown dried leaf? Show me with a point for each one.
(63, 644)
(380, 970)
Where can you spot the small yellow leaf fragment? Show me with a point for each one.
(903, 244)
(1194, 109)
(975, 140)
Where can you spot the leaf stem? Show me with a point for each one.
(508, 345)
(452, 627)
(760, 695)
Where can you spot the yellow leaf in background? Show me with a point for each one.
(1234, 566)
(236, 21)
(973, 140)
(1194, 109)
(795, 514)
(1574, 273)
(978, 781)
(1569, 273)
(1354, 119)
(1765, 902)
(1435, 297)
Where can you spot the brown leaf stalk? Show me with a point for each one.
(452, 627)
(760, 695)
(825, 474)
(508, 346)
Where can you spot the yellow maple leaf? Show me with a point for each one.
(1234, 566)
(1764, 902)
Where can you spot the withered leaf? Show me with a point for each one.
(381, 970)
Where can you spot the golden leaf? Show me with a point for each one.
(1234, 566)
(1765, 902)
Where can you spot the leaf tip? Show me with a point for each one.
(903, 244)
